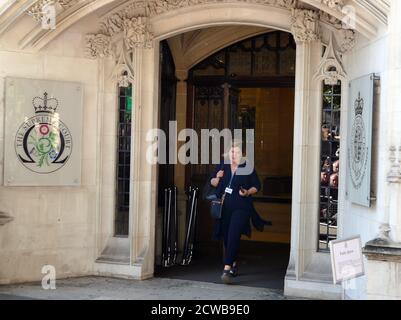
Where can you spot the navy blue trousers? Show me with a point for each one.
(233, 224)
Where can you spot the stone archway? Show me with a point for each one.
(126, 33)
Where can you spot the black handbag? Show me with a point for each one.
(209, 192)
(216, 208)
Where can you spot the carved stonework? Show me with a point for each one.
(136, 29)
(394, 175)
(304, 25)
(132, 19)
(334, 4)
(123, 73)
(330, 69)
(156, 7)
(383, 248)
(137, 33)
(113, 24)
(331, 20)
(36, 10)
(5, 218)
(67, 3)
(97, 46)
(347, 40)
(347, 35)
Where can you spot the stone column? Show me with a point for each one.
(393, 120)
(143, 174)
(308, 272)
(135, 60)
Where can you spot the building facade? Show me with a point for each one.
(112, 49)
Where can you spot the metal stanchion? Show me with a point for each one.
(174, 233)
(170, 228)
(190, 226)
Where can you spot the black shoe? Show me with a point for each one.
(227, 277)
(234, 271)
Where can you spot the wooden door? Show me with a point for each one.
(167, 113)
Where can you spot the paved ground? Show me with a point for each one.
(260, 264)
(100, 288)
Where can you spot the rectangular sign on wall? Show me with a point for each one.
(43, 132)
(360, 115)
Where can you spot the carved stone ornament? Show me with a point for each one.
(334, 4)
(5, 218)
(383, 248)
(394, 175)
(348, 40)
(305, 25)
(132, 21)
(330, 69)
(136, 29)
(123, 73)
(347, 34)
(156, 7)
(137, 33)
(36, 10)
(97, 46)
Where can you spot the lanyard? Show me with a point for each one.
(232, 177)
(229, 186)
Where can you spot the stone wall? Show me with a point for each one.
(52, 225)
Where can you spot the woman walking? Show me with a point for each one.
(238, 209)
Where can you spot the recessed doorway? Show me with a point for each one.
(246, 85)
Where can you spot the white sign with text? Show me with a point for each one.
(346, 259)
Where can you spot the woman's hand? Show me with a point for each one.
(215, 181)
(246, 193)
(220, 174)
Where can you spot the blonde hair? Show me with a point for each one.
(235, 144)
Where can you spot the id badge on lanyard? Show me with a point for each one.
(229, 190)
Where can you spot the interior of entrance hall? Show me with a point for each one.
(235, 77)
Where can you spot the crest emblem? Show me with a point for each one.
(43, 143)
(358, 149)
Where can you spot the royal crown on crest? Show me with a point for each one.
(45, 104)
(359, 105)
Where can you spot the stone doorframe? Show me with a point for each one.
(128, 45)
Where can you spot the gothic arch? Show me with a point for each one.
(190, 14)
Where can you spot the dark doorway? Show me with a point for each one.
(248, 85)
(168, 84)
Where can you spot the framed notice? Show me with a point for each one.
(360, 115)
(346, 259)
(43, 129)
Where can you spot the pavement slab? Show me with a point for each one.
(103, 288)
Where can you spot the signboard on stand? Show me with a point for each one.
(346, 259)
